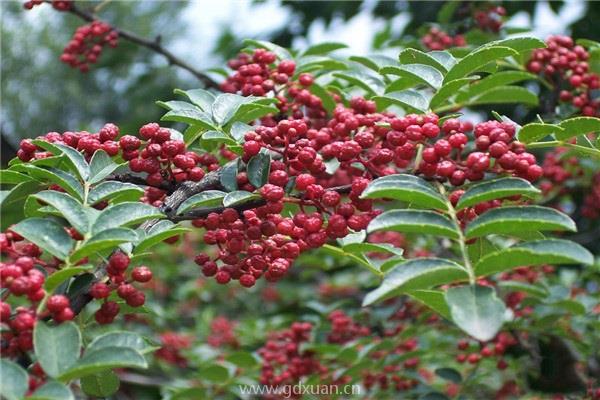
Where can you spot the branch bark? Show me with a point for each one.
(153, 45)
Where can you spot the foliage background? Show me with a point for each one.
(40, 94)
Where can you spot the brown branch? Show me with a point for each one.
(153, 45)
(127, 177)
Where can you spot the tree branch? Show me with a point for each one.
(138, 180)
(153, 45)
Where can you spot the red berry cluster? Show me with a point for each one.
(344, 329)
(332, 291)
(59, 5)
(437, 39)
(163, 159)
(83, 141)
(171, 350)
(593, 393)
(222, 333)
(284, 363)
(87, 44)
(566, 65)
(59, 307)
(118, 263)
(364, 144)
(494, 348)
(560, 171)
(21, 275)
(591, 202)
(490, 19)
(262, 73)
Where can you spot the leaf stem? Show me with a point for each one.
(462, 243)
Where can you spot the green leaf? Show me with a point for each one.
(476, 310)
(69, 208)
(52, 391)
(496, 189)
(110, 189)
(448, 90)
(374, 61)
(577, 126)
(408, 188)
(57, 348)
(361, 248)
(443, 57)
(101, 165)
(518, 44)
(226, 105)
(318, 64)
(326, 98)
(420, 273)
(279, 51)
(239, 197)
(199, 97)
(539, 252)
(359, 259)
(242, 359)
(418, 72)
(252, 111)
(238, 131)
(449, 374)
(161, 231)
(433, 299)
(12, 205)
(104, 384)
(409, 100)
(323, 48)
(192, 117)
(106, 239)
(228, 177)
(216, 136)
(505, 95)
(258, 169)
(214, 373)
(74, 158)
(414, 56)
(536, 131)
(61, 178)
(476, 60)
(205, 199)
(47, 234)
(533, 290)
(447, 11)
(514, 219)
(177, 105)
(192, 133)
(418, 221)
(571, 306)
(57, 278)
(14, 380)
(103, 359)
(371, 84)
(501, 78)
(124, 214)
(10, 177)
(130, 340)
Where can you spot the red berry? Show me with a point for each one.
(99, 290)
(222, 277)
(57, 303)
(141, 274)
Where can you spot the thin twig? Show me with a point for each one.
(153, 45)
